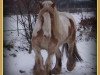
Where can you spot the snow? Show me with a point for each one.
(83, 15)
(23, 62)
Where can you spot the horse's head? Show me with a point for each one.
(44, 18)
(46, 6)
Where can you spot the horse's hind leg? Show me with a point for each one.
(73, 56)
(57, 68)
(39, 67)
(71, 62)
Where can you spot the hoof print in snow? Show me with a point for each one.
(21, 71)
(14, 55)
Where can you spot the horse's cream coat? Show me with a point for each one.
(64, 24)
(61, 25)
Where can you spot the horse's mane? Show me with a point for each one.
(44, 24)
(47, 24)
(36, 28)
(43, 21)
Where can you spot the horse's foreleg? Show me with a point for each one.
(48, 63)
(39, 67)
(57, 68)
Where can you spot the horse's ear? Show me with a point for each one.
(40, 4)
(53, 5)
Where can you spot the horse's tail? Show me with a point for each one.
(74, 53)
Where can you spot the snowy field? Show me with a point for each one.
(19, 62)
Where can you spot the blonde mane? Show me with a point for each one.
(46, 27)
(36, 28)
(47, 24)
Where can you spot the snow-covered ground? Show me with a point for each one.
(24, 61)
(19, 62)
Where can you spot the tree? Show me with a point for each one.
(25, 12)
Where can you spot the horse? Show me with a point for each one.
(53, 29)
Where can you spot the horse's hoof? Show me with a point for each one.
(71, 65)
(42, 72)
(56, 71)
(39, 72)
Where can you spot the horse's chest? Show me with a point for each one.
(41, 41)
(44, 43)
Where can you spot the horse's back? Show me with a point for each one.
(65, 25)
(68, 15)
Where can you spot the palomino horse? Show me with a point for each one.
(53, 29)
